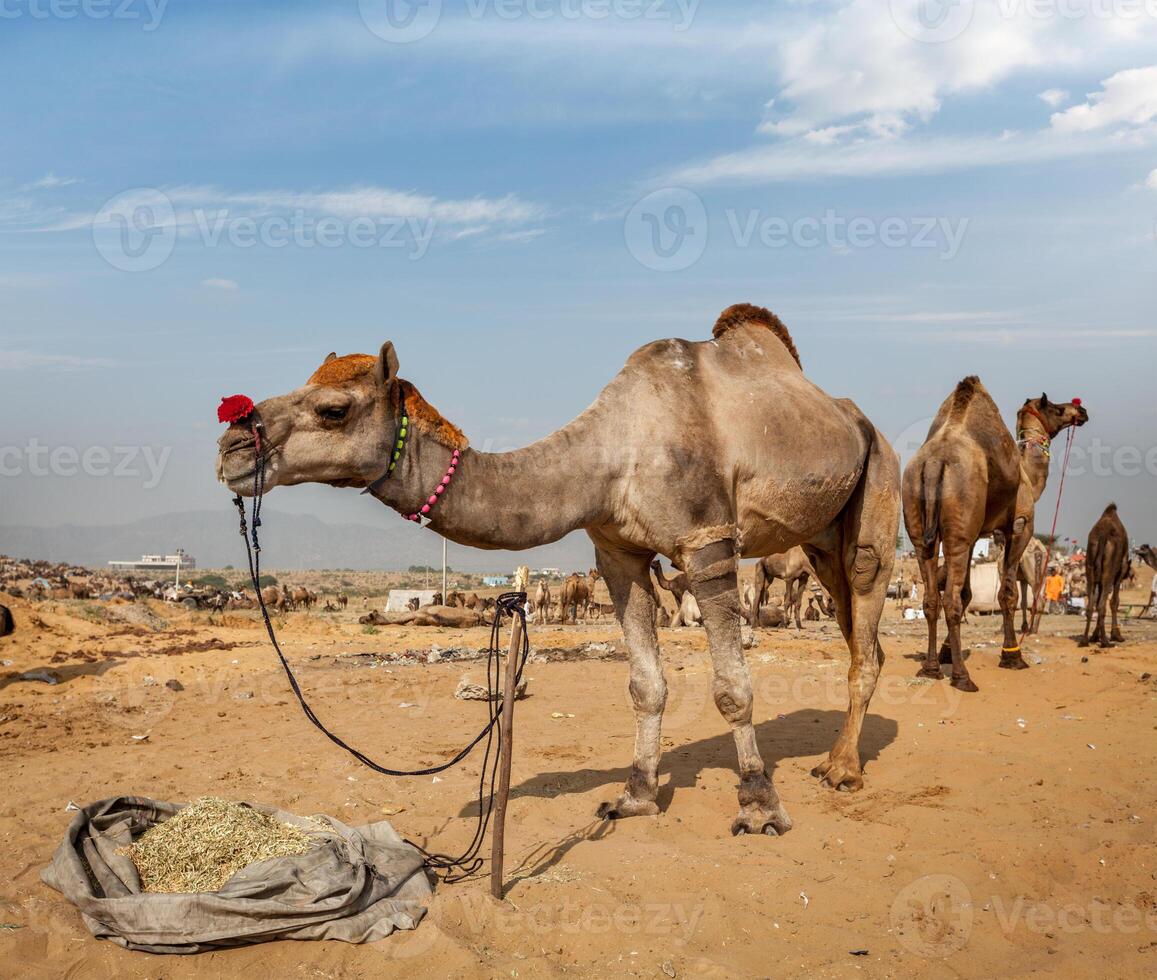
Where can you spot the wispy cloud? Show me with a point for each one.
(193, 205)
(49, 181)
(25, 360)
(225, 284)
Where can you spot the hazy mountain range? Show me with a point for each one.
(287, 541)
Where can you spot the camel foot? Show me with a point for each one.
(932, 672)
(840, 772)
(1105, 644)
(1117, 637)
(760, 811)
(965, 683)
(1013, 662)
(1082, 643)
(626, 806)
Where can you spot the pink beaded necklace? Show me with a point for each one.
(438, 491)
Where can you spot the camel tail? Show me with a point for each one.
(742, 313)
(930, 499)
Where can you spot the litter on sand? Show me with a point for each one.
(209, 841)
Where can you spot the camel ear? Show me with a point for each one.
(331, 356)
(1044, 400)
(387, 363)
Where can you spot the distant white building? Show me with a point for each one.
(550, 572)
(157, 563)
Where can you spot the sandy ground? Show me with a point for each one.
(1009, 832)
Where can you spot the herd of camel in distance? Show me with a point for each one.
(703, 452)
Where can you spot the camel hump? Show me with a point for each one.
(965, 391)
(1111, 509)
(741, 313)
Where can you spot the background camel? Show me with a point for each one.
(1106, 562)
(577, 592)
(678, 584)
(542, 599)
(699, 451)
(794, 568)
(971, 478)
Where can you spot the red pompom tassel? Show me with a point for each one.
(234, 408)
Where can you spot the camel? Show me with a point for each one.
(1149, 556)
(811, 614)
(1106, 564)
(542, 602)
(794, 568)
(677, 584)
(700, 451)
(343, 600)
(971, 478)
(577, 592)
(7, 623)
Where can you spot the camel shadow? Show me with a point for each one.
(54, 676)
(808, 731)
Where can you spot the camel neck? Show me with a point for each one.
(510, 500)
(1034, 442)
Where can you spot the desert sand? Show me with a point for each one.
(1009, 832)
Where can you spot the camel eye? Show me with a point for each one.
(333, 413)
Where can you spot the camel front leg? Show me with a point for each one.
(629, 583)
(1018, 537)
(712, 568)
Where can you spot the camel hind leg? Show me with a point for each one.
(855, 567)
(628, 579)
(1114, 605)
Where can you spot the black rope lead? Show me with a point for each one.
(512, 603)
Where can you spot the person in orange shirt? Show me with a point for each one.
(1054, 589)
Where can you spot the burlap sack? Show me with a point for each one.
(358, 886)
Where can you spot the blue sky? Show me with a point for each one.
(523, 155)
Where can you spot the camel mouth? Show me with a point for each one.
(1082, 415)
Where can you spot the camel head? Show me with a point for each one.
(1054, 416)
(338, 428)
(1148, 555)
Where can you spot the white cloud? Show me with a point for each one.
(49, 181)
(803, 159)
(227, 284)
(857, 80)
(198, 207)
(1128, 98)
(1151, 181)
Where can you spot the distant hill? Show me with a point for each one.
(288, 541)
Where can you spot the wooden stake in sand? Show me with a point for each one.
(506, 735)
